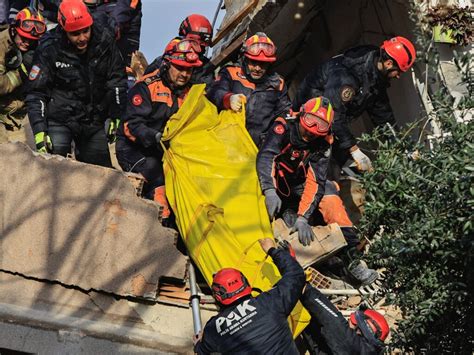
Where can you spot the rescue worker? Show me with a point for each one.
(48, 9)
(292, 168)
(329, 332)
(248, 325)
(354, 82)
(17, 43)
(198, 28)
(77, 82)
(127, 21)
(252, 84)
(151, 102)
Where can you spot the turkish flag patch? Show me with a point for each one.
(279, 129)
(137, 100)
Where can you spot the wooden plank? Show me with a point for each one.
(231, 24)
(228, 51)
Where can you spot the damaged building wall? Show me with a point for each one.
(80, 225)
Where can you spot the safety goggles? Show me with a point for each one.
(202, 37)
(32, 26)
(188, 45)
(311, 120)
(256, 48)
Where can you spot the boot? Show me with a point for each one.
(358, 270)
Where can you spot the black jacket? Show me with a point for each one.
(286, 160)
(201, 75)
(267, 98)
(76, 89)
(330, 330)
(353, 84)
(258, 325)
(151, 102)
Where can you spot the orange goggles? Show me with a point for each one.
(256, 48)
(310, 120)
(32, 26)
(188, 45)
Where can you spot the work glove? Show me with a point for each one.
(43, 143)
(305, 233)
(236, 102)
(273, 202)
(13, 59)
(362, 161)
(111, 126)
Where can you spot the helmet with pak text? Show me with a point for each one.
(316, 116)
(30, 24)
(229, 285)
(183, 52)
(197, 27)
(260, 48)
(73, 15)
(401, 50)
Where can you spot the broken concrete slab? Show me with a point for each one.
(85, 318)
(81, 225)
(328, 241)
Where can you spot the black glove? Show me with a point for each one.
(13, 59)
(111, 126)
(305, 233)
(273, 202)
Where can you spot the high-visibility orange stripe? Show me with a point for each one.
(310, 190)
(127, 132)
(134, 4)
(333, 211)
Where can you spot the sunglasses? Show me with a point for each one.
(256, 48)
(312, 120)
(32, 26)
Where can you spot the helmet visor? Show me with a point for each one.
(315, 123)
(256, 48)
(32, 26)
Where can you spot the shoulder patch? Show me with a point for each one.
(347, 93)
(34, 72)
(137, 100)
(279, 129)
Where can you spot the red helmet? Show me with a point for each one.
(228, 285)
(183, 52)
(260, 48)
(316, 116)
(30, 24)
(196, 27)
(401, 50)
(374, 321)
(73, 15)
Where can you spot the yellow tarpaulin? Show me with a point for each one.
(212, 186)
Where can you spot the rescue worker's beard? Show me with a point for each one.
(164, 74)
(249, 76)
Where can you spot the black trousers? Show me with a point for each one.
(90, 141)
(148, 162)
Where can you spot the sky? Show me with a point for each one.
(161, 20)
